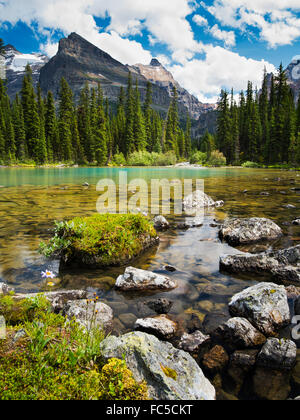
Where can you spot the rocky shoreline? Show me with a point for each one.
(252, 354)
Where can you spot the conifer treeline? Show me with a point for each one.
(33, 128)
(263, 127)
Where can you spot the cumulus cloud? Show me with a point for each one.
(227, 36)
(166, 23)
(277, 22)
(220, 68)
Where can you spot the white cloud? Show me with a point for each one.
(200, 20)
(220, 69)
(276, 20)
(227, 36)
(166, 23)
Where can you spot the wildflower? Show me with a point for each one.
(48, 275)
(50, 284)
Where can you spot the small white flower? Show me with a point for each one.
(48, 275)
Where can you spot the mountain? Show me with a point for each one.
(293, 74)
(156, 73)
(79, 61)
(16, 62)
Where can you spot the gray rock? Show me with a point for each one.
(244, 231)
(194, 343)
(278, 354)
(90, 315)
(160, 306)
(161, 326)
(5, 289)
(140, 280)
(238, 333)
(244, 358)
(296, 222)
(197, 200)
(282, 266)
(264, 305)
(19, 336)
(57, 299)
(150, 359)
(161, 223)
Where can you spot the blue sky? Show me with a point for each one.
(207, 45)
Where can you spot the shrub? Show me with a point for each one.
(141, 158)
(250, 165)
(198, 158)
(217, 159)
(144, 158)
(119, 160)
(101, 240)
(166, 159)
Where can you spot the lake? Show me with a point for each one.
(31, 199)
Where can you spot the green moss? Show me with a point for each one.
(170, 373)
(101, 240)
(18, 311)
(58, 360)
(119, 383)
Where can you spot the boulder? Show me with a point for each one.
(140, 280)
(161, 223)
(170, 374)
(264, 305)
(216, 360)
(161, 326)
(278, 354)
(196, 201)
(244, 358)
(245, 231)
(282, 266)
(296, 222)
(90, 314)
(160, 306)
(194, 343)
(238, 333)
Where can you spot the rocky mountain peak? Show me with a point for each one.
(155, 63)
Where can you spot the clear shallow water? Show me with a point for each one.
(31, 199)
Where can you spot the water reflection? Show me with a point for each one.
(32, 199)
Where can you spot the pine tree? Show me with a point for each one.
(130, 109)
(65, 120)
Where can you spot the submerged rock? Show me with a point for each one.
(136, 280)
(297, 306)
(194, 343)
(161, 223)
(283, 266)
(238, 333)
(244, 231)
(160, 306)
(161, 326)
(170, 374)
(216, 360)
(271, 385)
(278, 354)
(90, 315)
(264, 305)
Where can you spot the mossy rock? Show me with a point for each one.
(101, 240)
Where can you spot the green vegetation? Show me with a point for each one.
(144, 158)
(100, 240)
(263, 127)
(58, 360)
(34, 129)
(251, 165)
